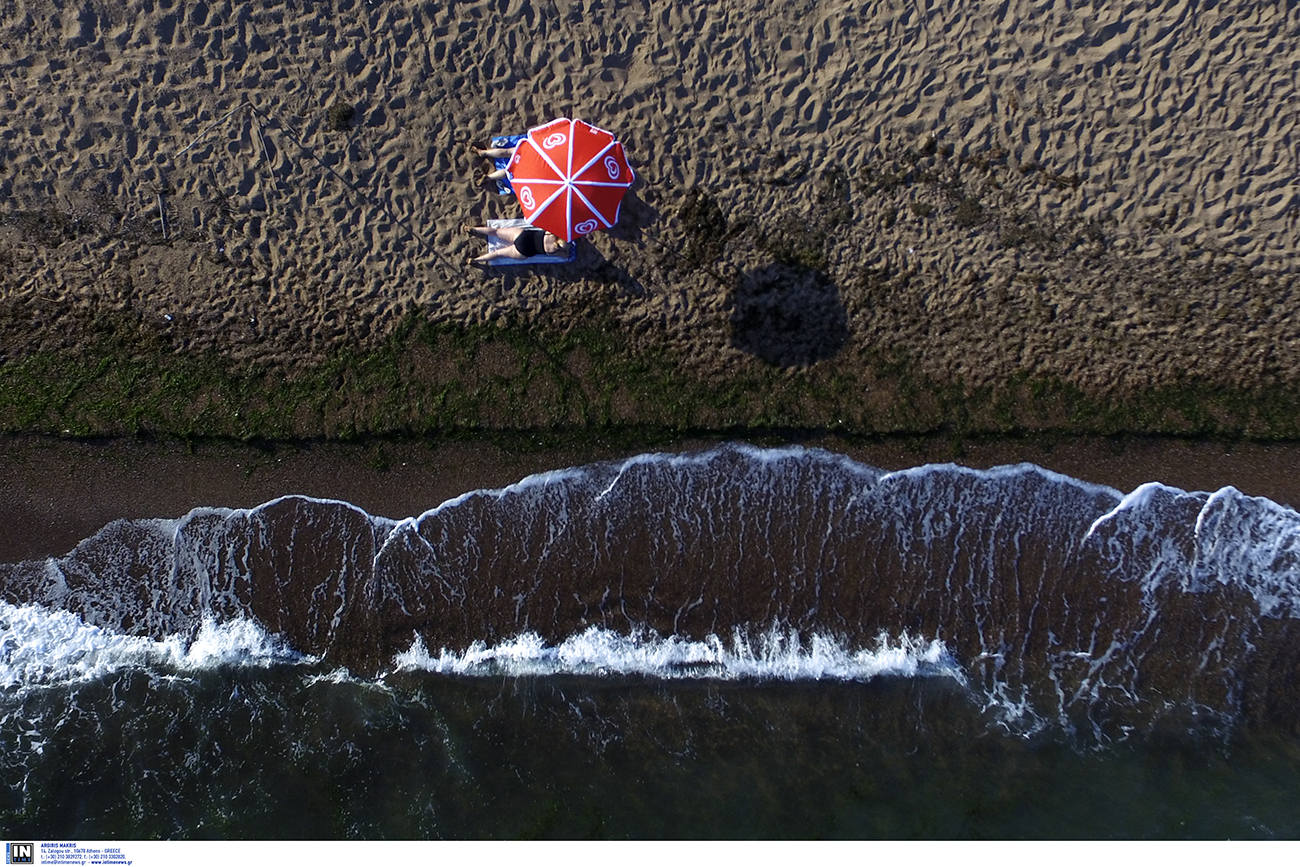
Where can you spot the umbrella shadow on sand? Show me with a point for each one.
(634, 217)
(788, 315)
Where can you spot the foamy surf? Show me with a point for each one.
(43, 647)
(775, 655)
(1051, 598)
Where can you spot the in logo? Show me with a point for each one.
(611, 168)
(526, 196)
(585, 227)
(554, 140)
(20, 853)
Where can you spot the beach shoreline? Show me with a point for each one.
(991, 226)
(54, 492)
(232, 270)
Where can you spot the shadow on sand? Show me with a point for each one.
(788, 315)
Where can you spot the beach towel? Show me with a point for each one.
(495, 243)
(505, 141)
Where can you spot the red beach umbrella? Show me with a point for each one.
(570, 177)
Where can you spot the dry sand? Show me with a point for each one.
(1100, 192)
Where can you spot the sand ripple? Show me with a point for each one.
(1102, 192)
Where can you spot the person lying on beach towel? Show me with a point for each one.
(521, 242)
(500, 150)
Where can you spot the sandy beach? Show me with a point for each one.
(1103, 194)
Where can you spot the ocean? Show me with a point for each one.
(733, 643)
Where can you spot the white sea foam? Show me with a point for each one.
(39, 646)
(1254, 543)
(1136, 500)
(617, 470)
(773, 656)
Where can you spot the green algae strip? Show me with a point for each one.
(438, 380)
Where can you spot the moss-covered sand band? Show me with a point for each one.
(439, 380)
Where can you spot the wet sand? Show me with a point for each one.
(53, 493)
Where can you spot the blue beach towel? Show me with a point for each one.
(495, 243)
(505, 141)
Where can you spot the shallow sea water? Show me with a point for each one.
(298, 752)
(742, 643)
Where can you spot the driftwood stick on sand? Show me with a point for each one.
(266, 185)
(266, 155)
(210, 127)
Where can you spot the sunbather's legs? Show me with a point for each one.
(508, 234)
(506, 252)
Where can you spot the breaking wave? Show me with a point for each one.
(774, 656)
(1057, 601)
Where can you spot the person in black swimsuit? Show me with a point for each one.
(521, 242)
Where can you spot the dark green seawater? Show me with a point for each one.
(293, 752)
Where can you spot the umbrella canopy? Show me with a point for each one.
(570, 177)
